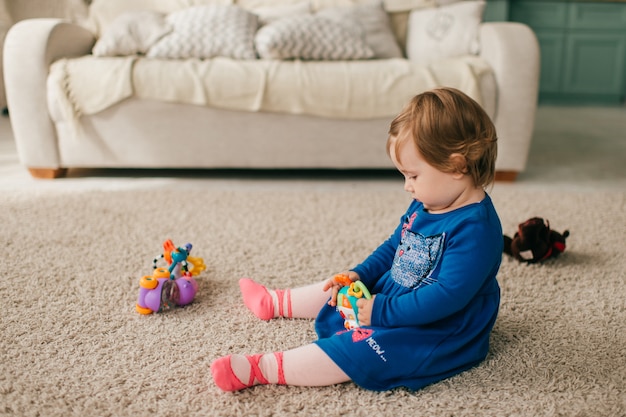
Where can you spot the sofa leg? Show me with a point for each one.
(506, 176)
(47, 173)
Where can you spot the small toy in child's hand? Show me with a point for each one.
(534, 241)
(347, 297)
(172, 286)
(342, 279)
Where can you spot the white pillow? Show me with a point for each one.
(445, 2)
(395, 6)
(444, 32)
(310, 37)
(103, 12)
(132, 33)
(268, 14)
(371, 22)
(207, 32)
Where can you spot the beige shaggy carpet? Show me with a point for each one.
(73, 345)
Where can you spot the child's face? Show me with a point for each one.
(438, 191)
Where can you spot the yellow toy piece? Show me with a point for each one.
(197, 265)
(355, 290)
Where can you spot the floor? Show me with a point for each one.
(578, 147)
(582, 148)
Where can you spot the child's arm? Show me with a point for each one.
(471, 258)
(379, 261)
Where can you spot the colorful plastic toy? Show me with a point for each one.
(171, 286)
(347, 297)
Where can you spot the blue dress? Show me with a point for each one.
(437, 299)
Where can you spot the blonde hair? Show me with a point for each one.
(446, 121)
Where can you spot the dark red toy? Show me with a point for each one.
(534, 241)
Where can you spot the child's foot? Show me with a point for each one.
(229, 371)
(265, 304)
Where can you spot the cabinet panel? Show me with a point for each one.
(595, 63)
(496, 11)
(597, 15)
(551, 46)
(540, 14)
(583, 48)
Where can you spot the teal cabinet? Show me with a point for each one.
(595, 65)
(552, 67)
(583, 49)
(496, 11)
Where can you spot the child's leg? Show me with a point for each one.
(302, 302)
(310, 366)
(304, 366)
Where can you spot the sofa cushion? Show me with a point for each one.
(310, 37)
(372, 22)
(358, 89)
(268, 14)
(132, 33)
(206, 32)
(444, 32)
(103, 12)
(368, 21)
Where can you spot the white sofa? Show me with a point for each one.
(14, 11)
(69, 108)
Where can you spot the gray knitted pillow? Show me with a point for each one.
(310, 37)
(207, 32)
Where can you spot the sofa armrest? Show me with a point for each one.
(512, 51)
(30, 47)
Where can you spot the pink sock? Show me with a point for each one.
(306, 366)
(302, 302)
(230, 372)
(265, 304)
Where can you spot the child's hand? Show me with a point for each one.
(338, 281)
(365, 310)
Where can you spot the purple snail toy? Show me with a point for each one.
(172, 286)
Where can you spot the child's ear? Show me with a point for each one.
(459, 164)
